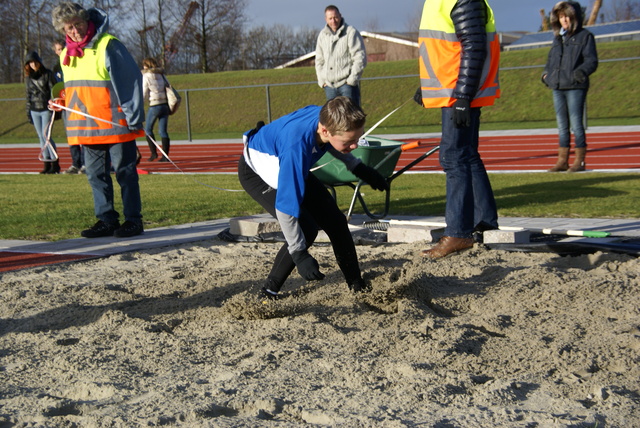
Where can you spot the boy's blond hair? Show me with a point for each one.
(340, 115)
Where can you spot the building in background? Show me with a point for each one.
(380, 47)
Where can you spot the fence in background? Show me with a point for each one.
(267, 89)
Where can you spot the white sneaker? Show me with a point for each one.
(83, 170)
(71, 170)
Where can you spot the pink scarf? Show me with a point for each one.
(75, 48)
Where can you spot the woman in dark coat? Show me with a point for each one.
(572, 58)
(39, 80)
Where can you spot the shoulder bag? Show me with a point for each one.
(173, 97)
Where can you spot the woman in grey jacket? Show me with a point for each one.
(572, 58)
(154, 87)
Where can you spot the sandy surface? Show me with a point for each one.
(177, 337)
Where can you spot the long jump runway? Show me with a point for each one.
(609, 149)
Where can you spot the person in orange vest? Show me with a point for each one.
(77, 157)
(103, 95)
(459, 56)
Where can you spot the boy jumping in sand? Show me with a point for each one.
(275, 171)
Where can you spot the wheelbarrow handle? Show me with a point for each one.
(413, 163)
(409, 146)
(392, 153)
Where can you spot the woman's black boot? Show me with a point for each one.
(46, 168)
(166, 145)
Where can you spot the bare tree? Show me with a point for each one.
(622, 10)
(161, 29)
(545, 21)
(36, 32)
(26, 32)
(372, 24)
(593, 18)
(11, 48)
(279, 46)
(305, 40)
(27, 26)
(268, 47)
(172, 36)
(219, 35)
(252, 56)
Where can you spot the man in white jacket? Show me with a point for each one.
(340, 57)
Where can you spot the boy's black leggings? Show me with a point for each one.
(318, 211)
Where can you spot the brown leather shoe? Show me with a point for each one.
(448, 245)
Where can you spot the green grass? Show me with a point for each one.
(36, 207)
(525, 102)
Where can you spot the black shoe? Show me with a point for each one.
(153, 157)
(359, 286)
(55, 168)
(163, 159)
(479, 230)
(129, 229)
(265, 293)
(46, 168)
(100, 229)
(483, 227)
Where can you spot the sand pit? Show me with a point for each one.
(177, 337)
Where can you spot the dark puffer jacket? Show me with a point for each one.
(573, 56)
(470, 19)
(38, 85)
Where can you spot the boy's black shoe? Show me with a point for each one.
(129, 229)
(265, 293)
(100, 229)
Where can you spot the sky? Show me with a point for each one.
(385, 15)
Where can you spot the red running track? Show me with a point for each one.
(500, 152)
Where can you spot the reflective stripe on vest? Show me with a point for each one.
(440, 52)
(88, 89)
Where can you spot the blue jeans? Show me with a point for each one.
(161, 114)
(470, 200)
(98, 161)
(41, 123)
(569, 105)
(77, 157)
(352, 92)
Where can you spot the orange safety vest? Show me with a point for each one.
(88, 89)
(440, 52)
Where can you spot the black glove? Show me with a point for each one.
(370, 176)
(417, 97)
(580, 76)
(307, 266)
(462, 113)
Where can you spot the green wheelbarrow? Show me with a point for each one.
(380, 154)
